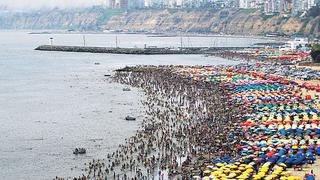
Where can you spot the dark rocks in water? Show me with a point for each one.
(79, 151)
(126, 89)
(107, 75)
(130, 69)
(125, 69)
(96, 63)
(130, 118)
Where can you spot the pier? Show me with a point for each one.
(141, 51)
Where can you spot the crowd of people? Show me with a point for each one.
(264, 55)
(290, 72)
(215, 122)
(281, 127)
(186, 121)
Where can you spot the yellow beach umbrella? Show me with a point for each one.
(231, 175)
(206, 178)
(214, 168)
(219, 164)
(215, 173)
(248, 166)
(233, 166)
(268, 178)
(223, 176)
(282, 165)
(293, 178)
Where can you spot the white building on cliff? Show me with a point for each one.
(250, 4)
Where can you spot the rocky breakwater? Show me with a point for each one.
(114, 50)
(142, 51)
(90, 49)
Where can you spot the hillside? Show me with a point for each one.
(239, 22)
(79, 19)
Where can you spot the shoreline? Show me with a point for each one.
(183, 98)
(156, 34)
(188, 115)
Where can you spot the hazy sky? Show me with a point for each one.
(36, 4)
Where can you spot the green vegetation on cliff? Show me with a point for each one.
(316, 47)
(315, 53)
(108, 13)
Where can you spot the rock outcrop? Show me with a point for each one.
(78, 19)
(49, 20)
(238, 22)
(228, 21)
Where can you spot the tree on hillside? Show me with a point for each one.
(315, 53)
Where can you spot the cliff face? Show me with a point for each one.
(79, 19)
(230, 22)
(50, 20)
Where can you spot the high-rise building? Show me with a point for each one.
(123, 4)
(136, 4)
(302, 5)
(171, 3)
(113, 4)
(243, 4)
(311, 3)
(110, 3)
(179, 3)
(273, 6)
(155, 3)
(147, 3)
(250, 4)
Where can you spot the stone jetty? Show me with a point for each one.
(143, 51)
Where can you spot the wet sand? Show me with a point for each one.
(181, 117)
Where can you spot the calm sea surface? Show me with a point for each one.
(52, 102)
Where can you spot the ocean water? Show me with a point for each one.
(52, 102)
